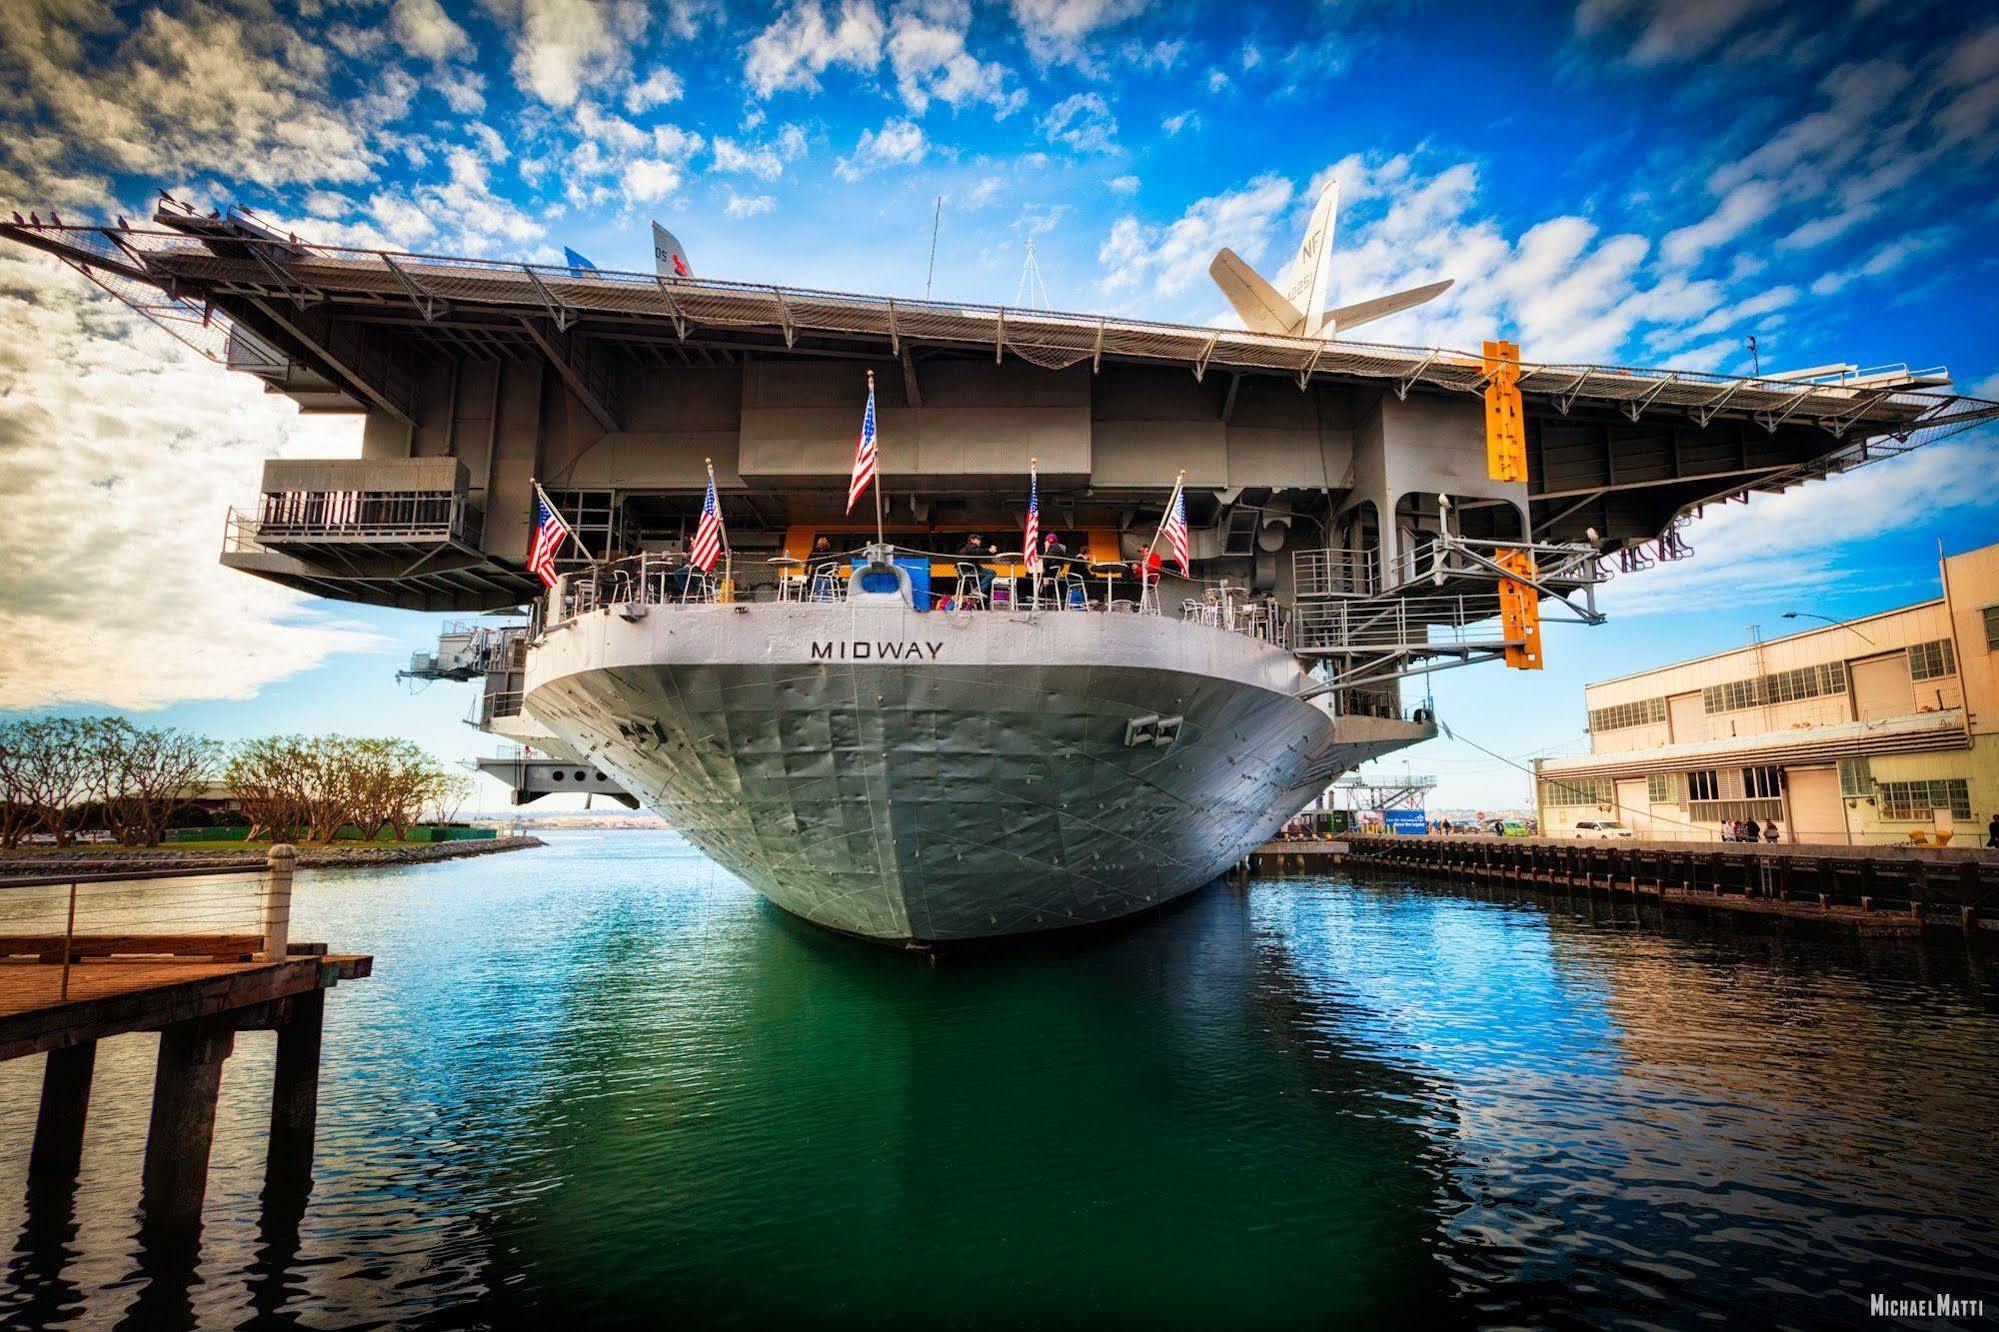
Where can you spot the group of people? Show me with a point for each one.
(1749, 830)
(1056, 562)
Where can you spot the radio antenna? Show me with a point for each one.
(936, 220)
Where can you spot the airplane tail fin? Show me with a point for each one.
(1366, 312)
(1312, 269)
(1261, 308)
(669, 256)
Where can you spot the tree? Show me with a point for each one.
(51, 764)
(268, 777)
(448, 795)
(164, 771)
(17, 811)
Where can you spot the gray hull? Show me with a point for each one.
(986, 780)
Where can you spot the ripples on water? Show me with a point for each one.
(601, 1081)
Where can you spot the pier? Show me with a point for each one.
(1875, 888)
(196, 962)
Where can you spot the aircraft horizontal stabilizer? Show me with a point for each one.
(1366, 312)
(1261, 308)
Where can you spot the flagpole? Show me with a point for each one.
(1178, 486)
(567, 530)
(880, 540)
(728, 555)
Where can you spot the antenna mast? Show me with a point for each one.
(1032, 293)
(936, 220)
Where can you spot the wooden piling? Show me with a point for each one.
(295, 1094)
(174, 1181)
(58, 1148)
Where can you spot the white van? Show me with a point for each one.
(1602, 829)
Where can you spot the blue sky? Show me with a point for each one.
(1616, 180)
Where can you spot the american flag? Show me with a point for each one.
(864, 453)
(1174, 529)
(1032, 545)
(708, 536)
(549, 534)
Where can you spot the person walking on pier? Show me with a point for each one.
(1752, 832)
(1992, 833)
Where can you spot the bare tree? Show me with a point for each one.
(17, 811)
(448, 796)
(164, 771)
(52, 771)
(268, 777)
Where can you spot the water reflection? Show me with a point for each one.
(604, 1079)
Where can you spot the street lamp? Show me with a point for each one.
(1837, 624)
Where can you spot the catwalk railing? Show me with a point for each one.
(999, 584)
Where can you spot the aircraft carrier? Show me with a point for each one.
(880, 742)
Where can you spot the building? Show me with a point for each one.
(1863, 732)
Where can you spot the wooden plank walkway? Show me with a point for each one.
(110, 997)
(1885, 888)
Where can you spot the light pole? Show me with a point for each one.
(1837, 624)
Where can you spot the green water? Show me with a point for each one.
(601, 1083)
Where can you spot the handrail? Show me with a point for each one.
(633, 586)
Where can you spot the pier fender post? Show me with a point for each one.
(281, 864)
(295, 1096)
(182, 1128)
(58, 1148)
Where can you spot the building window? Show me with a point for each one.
(1913, 801)
(1856, 778)
(1663, 788)
(1704, 784)
(1619, 716)
(1763, 783)
(1567, 791)
(1931, 661)
(1991, 614)
(1781, 687)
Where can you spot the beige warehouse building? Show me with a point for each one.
(1866, 731)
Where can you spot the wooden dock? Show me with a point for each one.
(1887, 889)
(63, 991)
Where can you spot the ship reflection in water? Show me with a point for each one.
(603, 1081)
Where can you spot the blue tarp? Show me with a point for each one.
(918, 568)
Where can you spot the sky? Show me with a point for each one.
(1619, 180)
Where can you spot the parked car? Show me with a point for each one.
(1602, 829)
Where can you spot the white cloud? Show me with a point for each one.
(1175, 123)
(1218, 80)
(1059, 31)
(245, 99)
(926, 49)
(984, 192)
(1662, 31)
(423, 29)
(1083, 122)
(765, 161)
(1882, 262)
(658, 88)
(1169, 259)
(1125, 185)
(649, 179)
(559, 45)
(896, 143)
(1741, 208)
(801, 43)
(747, 205)
(119, 451)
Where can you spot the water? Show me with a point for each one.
(601, 1081)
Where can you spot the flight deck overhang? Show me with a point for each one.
(292, 290)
